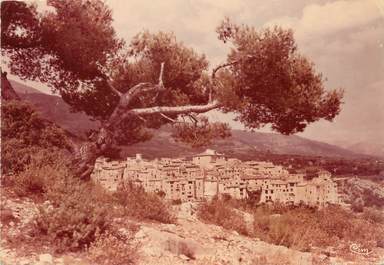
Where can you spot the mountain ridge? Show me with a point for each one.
(241, 142)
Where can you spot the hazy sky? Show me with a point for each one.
(345, 40)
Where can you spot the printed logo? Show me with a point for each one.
(358, 249)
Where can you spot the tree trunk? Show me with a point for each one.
(7, 91)
(86, 154)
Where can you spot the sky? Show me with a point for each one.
(344, 39)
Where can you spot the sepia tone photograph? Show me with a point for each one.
(204, 132)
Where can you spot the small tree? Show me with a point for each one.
(155, 80)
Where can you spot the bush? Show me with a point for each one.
(286, 227)
(112, 248)
(357, 206)
(7, 216)
(32, 149)
(44, 169)
(219, 213)
(80, 213)
(275, 259)
(23, 134)
(33, 161)
(372, 200)
(139, 204)
(373, 215)
(302, 227)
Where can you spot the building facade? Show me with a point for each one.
(210, 174)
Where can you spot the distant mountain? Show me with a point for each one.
(55, 109)
(240, 144)
(376, 149)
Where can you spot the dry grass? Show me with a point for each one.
(42, 171)
(141, 205)
(301, 228)
(218, 212)
(113, 249)
(79, 214)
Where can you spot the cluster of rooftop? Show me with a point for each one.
(210, 174)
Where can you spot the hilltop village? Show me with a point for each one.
(210, 173)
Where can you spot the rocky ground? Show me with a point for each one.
(353, 189)
(189, 241)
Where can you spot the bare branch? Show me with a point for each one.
(143, 88)
(167, 117)
(112, 87)
(213, 76)
(163, 111)
(104, 75)
(175, 110)
(193, 118)
(141, 118)
(135, 92)
(122, 111)
(161, 75)
(217, 68)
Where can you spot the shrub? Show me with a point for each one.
(142, 205)
(45, 168)
(372, 199)
(357, 206)
(373, 215)
(80, 213)
(302, 227)
(113, 248)
(275, 259)
(219, 213)
(289, 227)
(23, 134)
(7, 216)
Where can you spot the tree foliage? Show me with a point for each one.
(66, 46)
(19, 25)
(273, 83)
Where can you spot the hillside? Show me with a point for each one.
(187, 241)
(240, 144)
(368, 148)
(55, 109)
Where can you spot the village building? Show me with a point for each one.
(208, 158)
(211, 174)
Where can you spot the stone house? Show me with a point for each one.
(210, 174)
(294, 190)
